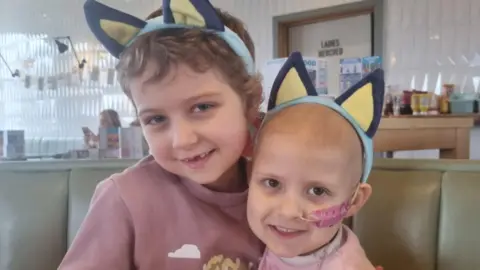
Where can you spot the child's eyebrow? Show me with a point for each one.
(200, 96)
(191, 99)
(147, 111)
(320, 183)
(307, 182)
(266, 175)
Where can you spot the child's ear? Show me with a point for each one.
(363, 194)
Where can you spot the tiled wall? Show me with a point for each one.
(427, 42)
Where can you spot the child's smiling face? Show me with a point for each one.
(195, 123)
(306, 158)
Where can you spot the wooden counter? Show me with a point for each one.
(450, 134)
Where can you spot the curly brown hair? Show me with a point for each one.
(200, 51)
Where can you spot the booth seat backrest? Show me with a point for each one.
(42, 205)
(423, 215)
(33, 219)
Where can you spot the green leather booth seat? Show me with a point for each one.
(42, 205)
(423, 215)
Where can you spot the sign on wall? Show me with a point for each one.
(330, 48)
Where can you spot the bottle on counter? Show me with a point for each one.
(424, 102)
(433, 108)
(444, 103)
(388, 103)
(396, 105)
(415, 103)
(448, 89)
(405, 106)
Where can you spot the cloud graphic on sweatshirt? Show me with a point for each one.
(187, 251)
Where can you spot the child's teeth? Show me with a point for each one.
(199, 156)
(285, 229)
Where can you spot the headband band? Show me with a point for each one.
(117, 30)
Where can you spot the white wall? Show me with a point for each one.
(423, 40)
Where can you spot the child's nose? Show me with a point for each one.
(183, 136)
(290, 208)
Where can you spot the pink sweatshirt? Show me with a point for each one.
(146, 218)
(343, 253)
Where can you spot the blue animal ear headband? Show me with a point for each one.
(361, 105)
(117, 30)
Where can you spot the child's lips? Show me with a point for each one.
(286, 233)
(197, 161)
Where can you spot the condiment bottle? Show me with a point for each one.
(388, 104)
(448, 89)
(415, 104)
(405, 108)
(433, 108)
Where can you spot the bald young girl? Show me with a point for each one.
(311, 161)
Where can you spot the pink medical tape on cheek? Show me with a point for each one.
(327, 217)
(330, 216)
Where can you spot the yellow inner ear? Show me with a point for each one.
(291, 88)
(360, 106)
(120, 32)
(186, 13)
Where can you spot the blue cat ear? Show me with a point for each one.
(198, 13)
(292, 82)
(364, 101)
(113, 28)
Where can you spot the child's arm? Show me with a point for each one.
(105, 239)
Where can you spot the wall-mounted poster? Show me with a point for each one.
(354, 69)
(350, 72)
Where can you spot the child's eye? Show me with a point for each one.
(202, 107)
(317, 191)
(158, 119)
(271, 183)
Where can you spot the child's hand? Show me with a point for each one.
(378, 268)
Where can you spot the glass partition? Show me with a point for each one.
(53, 99)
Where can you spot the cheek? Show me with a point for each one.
(231, 128)
(157, 144)
(233, 137)
(258, 205)
(255, 211)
